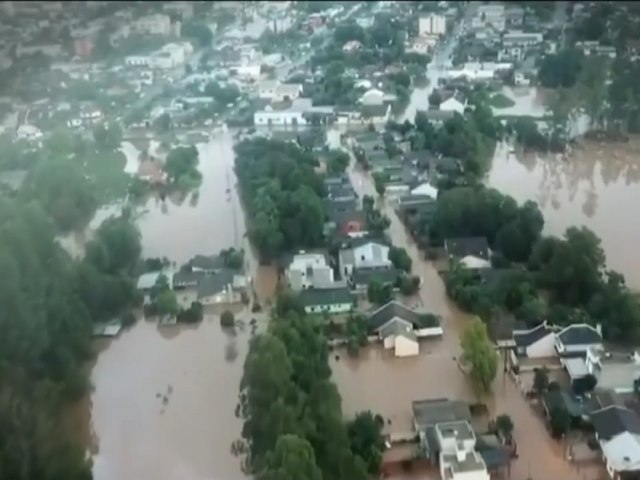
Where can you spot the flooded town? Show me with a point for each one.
(327, 240)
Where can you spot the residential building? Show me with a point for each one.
(275, 91)
(48, 49)
(618, 433)
(426, 189)
(362, 277)
(479, 71)
(376, 114)
(472, 252)
(514, 15)
(28, 132)
(399, 327)
(309, 270)
(366, 253)
(372, 97)
(491, 14)
(454, 102)
(518, 38)
(207, 263)
(537, 342)
(458, 458)
(352, 46)
(432, 24)
(183, 9)
(575, 340)
(298, 112)
(614, 371)
(224, 287)
(327, 300)
(424, 44)
(156, 24)
(504, 329)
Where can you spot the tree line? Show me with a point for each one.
(571, 270)
(293, 424)
(282, 195)
(50, 303)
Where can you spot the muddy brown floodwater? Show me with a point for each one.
(164, 398)
(387, 385)
(596, 187)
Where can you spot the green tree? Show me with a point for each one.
(540, 380)
(379, 293)
(292, 459)
(107, 136)
(504, 425)
(560, 421)
(400, 259)
(337, 161)
(356, 332)
(197, 31)
(561, 69)
(479, 355)
(227, 319)
(380, 183)
(366, 439)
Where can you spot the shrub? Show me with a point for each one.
(227, 319)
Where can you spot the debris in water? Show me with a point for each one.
(165, 400)
(169, 389)
(158, 395)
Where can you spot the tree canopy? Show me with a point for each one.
(283, 196)
(479, 354)
(288, 404)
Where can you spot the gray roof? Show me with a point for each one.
(467, 246)
(371, 111)
(326, 296)
(438, 410)
(579, 334)
(398, 328)
(214, 284)
(364, 275)
(614, 420)
(529, 337)
(394, 309)
(187, 278)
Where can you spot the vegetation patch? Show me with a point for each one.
(500, 100)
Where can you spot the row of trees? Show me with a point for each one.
(49, 305)
(293, 425)
(571, 269)
(282, 194)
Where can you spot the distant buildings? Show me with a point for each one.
(432, 24)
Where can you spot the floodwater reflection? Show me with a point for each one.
(596, 187)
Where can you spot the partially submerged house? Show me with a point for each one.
(618, 434)
(576, 339)
(365, 254)
(362, 277)
(327, 300)
(400, 327)
(614, 371)
(309, 270)
(537, 342)
(472, 252)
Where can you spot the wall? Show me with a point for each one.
(278, 118)
(406, 347)
(545, 347)
(338, 308)
(429, 332)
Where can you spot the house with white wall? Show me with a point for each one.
(275, 91)
(454, 102)
(327, 300)
(537, 342)
(368, 254)
(432, 24)
(575, 340)
(309, 270)
(618, 434)
(155, 24)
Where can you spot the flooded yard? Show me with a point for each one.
(596, 187)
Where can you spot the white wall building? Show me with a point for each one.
(492, 14)
(156, 24)
(279, 92)
(432, 24)
(372, 97)
(458, 457)
(371, 254)
(309, 270)
(28, 132)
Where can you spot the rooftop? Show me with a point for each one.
(467, 246)
(430, 412)
(614, 420)
(395, 309)
(326, 296)
(579, 334)
(529, 337)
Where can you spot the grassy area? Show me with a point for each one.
(500, 100)
(106, 173)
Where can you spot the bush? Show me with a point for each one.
(128, 319)
(227, 319)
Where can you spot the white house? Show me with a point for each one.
(479, 70)
(248, 72)
(372, 97)
(426, 189)
(279, 92)
(454, 103)
(575, 340)
(28, 132)
(400, 336)
(614, 371)
(618, 433)
(517, 38)
(400, 327)
(458, 458)
(369, 254)
(432, 24)
(423, 44)
(308, 270)
(352, 46)
(538, 342)
(491, 14)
